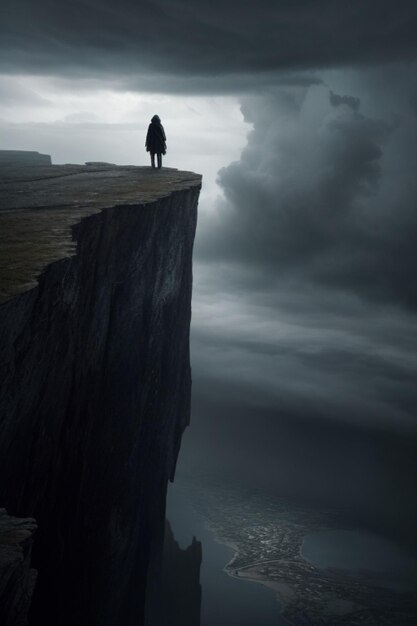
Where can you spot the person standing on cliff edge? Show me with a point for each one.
(155, 140)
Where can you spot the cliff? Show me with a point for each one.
(23, 157)
(94, 360)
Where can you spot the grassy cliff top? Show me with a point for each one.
(39, 204)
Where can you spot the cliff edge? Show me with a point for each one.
(95, 281)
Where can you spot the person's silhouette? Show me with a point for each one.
(156, 140)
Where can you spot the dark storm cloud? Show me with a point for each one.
(205, 39)
(323, 193)
(232, 83)
(350, 101)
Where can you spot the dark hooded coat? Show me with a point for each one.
(155, 138)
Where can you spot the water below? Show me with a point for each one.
(356, 570)
(360, 551)
(226, 601)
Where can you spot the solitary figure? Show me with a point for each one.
(155, 140)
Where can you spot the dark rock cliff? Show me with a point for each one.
(94, 363)
(23, 157)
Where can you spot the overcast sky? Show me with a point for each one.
(305, 298)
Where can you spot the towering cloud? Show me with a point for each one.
(325, 193)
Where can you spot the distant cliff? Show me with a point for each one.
(23, 157)
(94, 363)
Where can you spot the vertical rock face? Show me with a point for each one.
(95, 396)
(17, 579)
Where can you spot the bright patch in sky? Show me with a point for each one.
(77, 121)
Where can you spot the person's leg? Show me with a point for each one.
(153, 159)
(159, 155)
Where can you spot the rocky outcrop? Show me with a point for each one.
(181, 588)
(23, 157)
(17, 579)
(94, 362)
